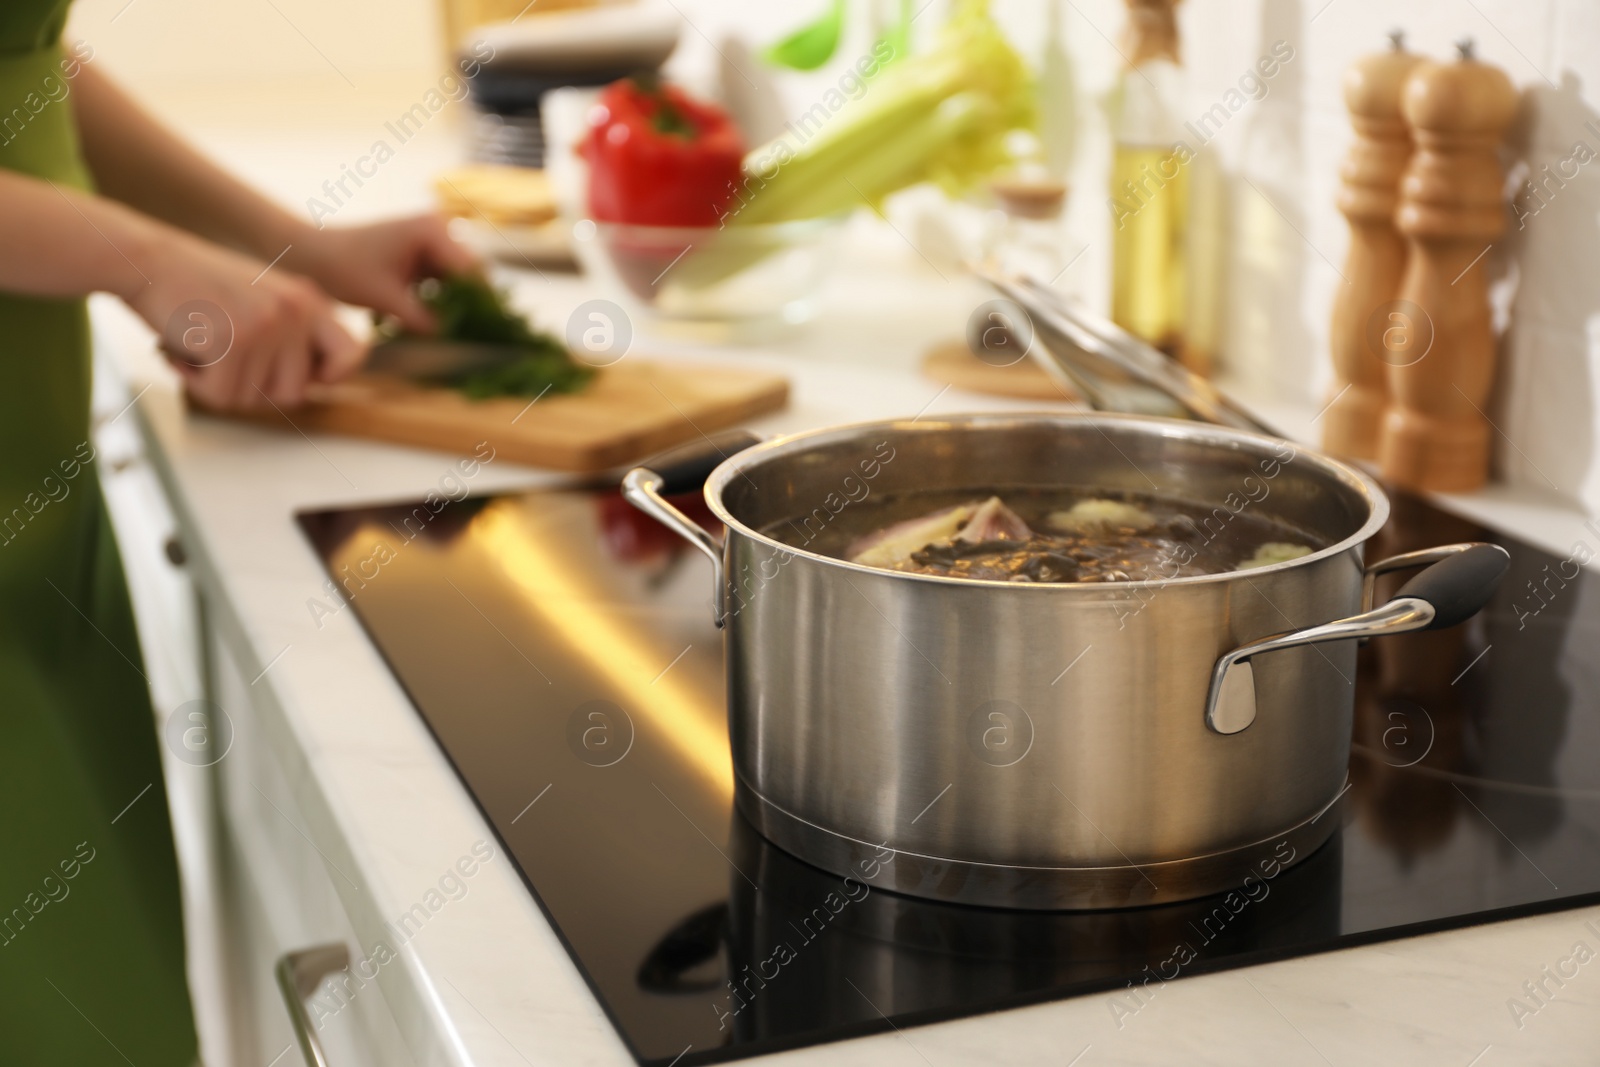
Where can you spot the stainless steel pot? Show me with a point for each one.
(1047, 745)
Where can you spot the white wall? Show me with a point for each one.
(200, 43)
(1289, 144)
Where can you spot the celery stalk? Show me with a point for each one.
(899, 158)
(940, 116)
(804, 167)
(901, 162)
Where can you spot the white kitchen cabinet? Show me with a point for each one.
(255, 886)
(277, 895)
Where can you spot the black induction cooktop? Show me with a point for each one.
(560, 647)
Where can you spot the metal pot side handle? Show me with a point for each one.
(642, 488)
(299, 975)
(1451, 591)
(683, 471)
(1420, 558)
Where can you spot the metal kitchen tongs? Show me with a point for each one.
(1115, 371)
(1112, 369)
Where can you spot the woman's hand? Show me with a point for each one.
(377, 266)
(242, 336)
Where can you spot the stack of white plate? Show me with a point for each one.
(535, 53)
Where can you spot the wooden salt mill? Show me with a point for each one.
(1370, 178)
(1435, 433)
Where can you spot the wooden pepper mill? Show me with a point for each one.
(1435, 433)
(1370, 178)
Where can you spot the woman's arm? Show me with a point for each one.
(140, 162)
(242, 336)
(137, 160)
(56, 241)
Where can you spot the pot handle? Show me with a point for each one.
(1421, 557)
(683, 470)
(1451, 591)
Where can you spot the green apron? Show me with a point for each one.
(91, 934)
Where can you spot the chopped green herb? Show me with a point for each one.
(469, 309)
(531, 375)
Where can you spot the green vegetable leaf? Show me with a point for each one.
(531, 375)
(811, 45)
(469, 309)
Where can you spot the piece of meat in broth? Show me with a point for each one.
(993, 521)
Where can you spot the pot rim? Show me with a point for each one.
(1224, 436)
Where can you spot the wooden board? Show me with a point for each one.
(954, 364)
(629, 411)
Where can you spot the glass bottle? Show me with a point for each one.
(1270, 344)
(1150, 199)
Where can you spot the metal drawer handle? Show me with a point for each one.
(299, 975)
(1451, 591)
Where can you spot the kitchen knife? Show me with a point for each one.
(431, 359)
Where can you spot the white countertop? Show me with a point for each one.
(495, 981)
(380, 797)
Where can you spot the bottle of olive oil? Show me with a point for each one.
(1152, 200)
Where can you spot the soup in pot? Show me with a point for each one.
(1048, 535)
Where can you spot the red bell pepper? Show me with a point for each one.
(658, 157)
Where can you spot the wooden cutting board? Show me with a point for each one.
(631, 410)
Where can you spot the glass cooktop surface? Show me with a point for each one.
(560, 647)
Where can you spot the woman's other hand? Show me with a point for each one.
(243, 335)
(377, 266)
